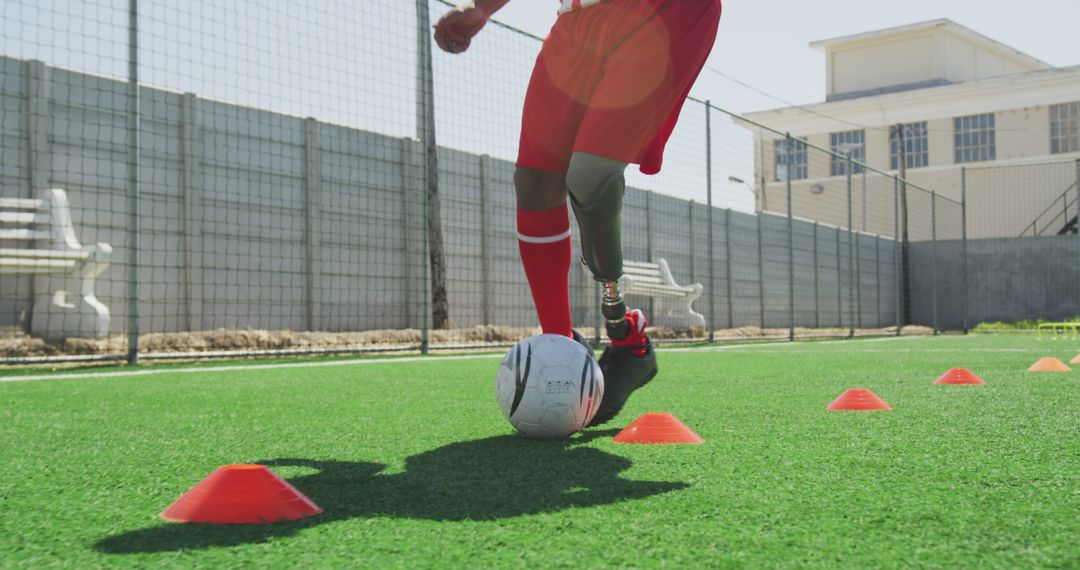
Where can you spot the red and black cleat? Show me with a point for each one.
(627, 364)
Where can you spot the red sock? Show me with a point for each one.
(544, 242)
(637, 321)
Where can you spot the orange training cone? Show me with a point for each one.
(1049, 364)
(657, 428)
(241, 494)
(959, 376)
(858, 400)
(1075, 360)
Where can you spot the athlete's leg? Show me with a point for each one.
(554, 104)
(632, 112)
(543, 226)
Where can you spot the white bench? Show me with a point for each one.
(64, 270)
(655, 280)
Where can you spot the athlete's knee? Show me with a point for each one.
(591, 177)
(539, 190)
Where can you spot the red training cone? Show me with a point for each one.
(241, 494)
(1075, 360)
(1049, 364)
(858, 400)
(657, 428)
(959, 376)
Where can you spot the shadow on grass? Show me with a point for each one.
(486, 479)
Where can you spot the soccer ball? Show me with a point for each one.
(549, 386)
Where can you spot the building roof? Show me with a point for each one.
(940, 23)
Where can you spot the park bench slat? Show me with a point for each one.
(25, 234)
(21, 204)
(24, 218)
(43, 253)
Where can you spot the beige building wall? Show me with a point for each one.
(964, 61)
(982, 76)
(939, 51)
(941, 140)
(1023, 133)
(901, 61)
(819, 166)
(878, 148)
(1005, 195)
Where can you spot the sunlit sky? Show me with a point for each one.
(354, 64)
(765, 43)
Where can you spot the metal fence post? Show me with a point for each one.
(817, 282)
(425, 127)
(649, 255)
(727, 271)
(897, 265)
(133, 143)
(709, 202)
(761, 273)
(648, 226)
(485, 250)
(790, 242)
(690, 231)
(877, 278)
(964, 243)
(862, 193)
(934, 257)
(311, 221)
(851, 254)
(38, 126)
(858, 280)
(191, 215)
(839, 282)
(38, 129)
(1077, 225)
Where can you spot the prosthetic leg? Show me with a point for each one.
(596, 191)
(596, 187)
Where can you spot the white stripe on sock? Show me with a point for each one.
(547, 239)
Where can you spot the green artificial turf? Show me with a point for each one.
(415, 466)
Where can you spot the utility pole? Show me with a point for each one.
(439, 308)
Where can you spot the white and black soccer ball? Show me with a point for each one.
(549, 386)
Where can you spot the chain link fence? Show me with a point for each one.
(207, 179)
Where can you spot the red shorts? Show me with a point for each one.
(611, 80)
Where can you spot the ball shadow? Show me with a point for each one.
(487, 479)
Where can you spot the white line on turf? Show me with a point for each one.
(351, 362)
(247, 367)
(897, 350)
(784, 346)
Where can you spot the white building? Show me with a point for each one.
(962, 99)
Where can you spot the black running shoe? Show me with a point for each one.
(624, 372)
(581, 340)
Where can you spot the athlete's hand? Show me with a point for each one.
(454, 31)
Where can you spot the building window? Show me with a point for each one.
(975, 138)
(847, 143)
(916, 146)
(1065, 128)
(796, 164)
